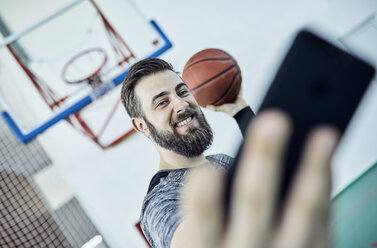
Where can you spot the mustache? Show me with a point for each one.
(188, 112)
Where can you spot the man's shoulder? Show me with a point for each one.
(166, 184)
(170, 175)
(160, 205)
(222, 161)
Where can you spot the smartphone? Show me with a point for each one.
(317, 83)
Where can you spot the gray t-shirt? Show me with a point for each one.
(160, 214)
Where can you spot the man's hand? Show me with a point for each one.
(251, 222)
(230, 108)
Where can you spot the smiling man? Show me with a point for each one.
(163, 109)
(180, 127)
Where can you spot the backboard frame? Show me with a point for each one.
(24, 136)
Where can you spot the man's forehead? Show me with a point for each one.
(156, 83)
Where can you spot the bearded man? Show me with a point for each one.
(163, 109)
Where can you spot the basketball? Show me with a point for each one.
(213, 76)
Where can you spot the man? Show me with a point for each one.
(162, 108)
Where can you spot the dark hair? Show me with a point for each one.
(140, 69)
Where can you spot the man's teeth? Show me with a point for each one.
(184, 122)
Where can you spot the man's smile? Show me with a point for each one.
(184, 122)
(183, 126)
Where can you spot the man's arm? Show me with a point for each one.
(239, 110)
(243, 118)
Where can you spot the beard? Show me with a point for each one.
(194, 143)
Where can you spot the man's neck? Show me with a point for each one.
(170, 160)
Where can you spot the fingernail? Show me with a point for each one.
(273, 125)
(326, 140)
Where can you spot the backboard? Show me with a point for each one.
(37, 48)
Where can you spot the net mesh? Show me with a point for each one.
(26, 220)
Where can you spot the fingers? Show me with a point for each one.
(215, 108)
(202, 206)
(240, 101)
(229, 108)
(256, 181)
(307, 210)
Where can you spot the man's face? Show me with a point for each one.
(172, 115)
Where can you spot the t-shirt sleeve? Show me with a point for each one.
(243, 117)
(160, 215)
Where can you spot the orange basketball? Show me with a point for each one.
(213, 76)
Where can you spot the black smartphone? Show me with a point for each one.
(317, 83)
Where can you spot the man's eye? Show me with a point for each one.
(161, 103)
(183, 92)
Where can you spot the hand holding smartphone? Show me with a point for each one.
(316, 84)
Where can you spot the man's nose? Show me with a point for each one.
(179, 104)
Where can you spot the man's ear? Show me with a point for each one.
(140, 125)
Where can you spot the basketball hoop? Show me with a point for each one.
(85, 67)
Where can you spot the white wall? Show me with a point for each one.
(111, 184)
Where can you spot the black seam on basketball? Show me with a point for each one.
(227, 90)
(211, 59)
(209, 80)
